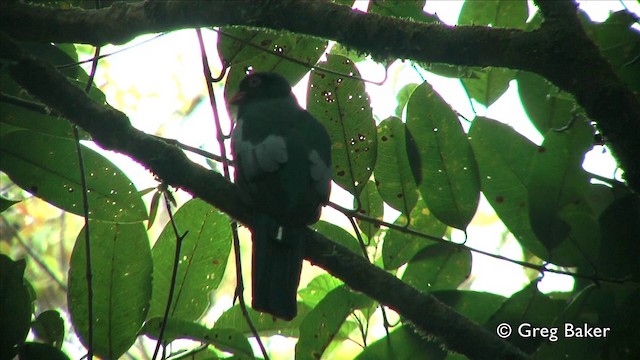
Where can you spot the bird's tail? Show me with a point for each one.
(276, 264)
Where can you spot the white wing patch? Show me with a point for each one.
(265, 156)
(320, 173)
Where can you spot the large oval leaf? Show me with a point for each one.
(47, 167)
(399, 247)
(547, 107)
(341, 104)
(504, 158)
(557, 185)
(438, 267)
(450, 183)
(121, 268)
(394, 179)
(203, 258)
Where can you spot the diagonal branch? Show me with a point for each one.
(111, 130)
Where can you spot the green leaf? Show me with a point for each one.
(406, 9)
(49, 327)
(620, 44)
(477, 306)
(324, 321)
(403, 98)
(504, 158)
(403, 343)
(338, 235)
(392, 172)
(6, 203)
(341, 104)
(47, 167)
(450, 182)
(438, 267)
(371, 206)
(399, 247)
(203, 258)
(488, 84)
(557, 181)
(15, 306)
(605, 305)
(265, 324)
(37, 351)
(497, 13)
(620, 248)
(531, 306)
(56, 54)
(121, 268)
(268, 56)
(228, 340)
(18, 118)
(547, 106)
(318, 288)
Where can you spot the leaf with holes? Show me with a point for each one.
(341, 104)
(203, 257)
(47, 167)
(272, 48)
(121, 268)
(504, 158)
(450, 184)
(392, 172)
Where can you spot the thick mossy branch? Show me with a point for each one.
(112, 130)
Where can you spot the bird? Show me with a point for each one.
(282, 158)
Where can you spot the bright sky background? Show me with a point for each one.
(160, 86)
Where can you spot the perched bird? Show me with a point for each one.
(283, 165)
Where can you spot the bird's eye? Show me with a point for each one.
(255, 82)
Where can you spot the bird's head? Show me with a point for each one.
(261, 86)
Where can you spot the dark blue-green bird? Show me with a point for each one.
(283, 166)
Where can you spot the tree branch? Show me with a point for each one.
(112, 130)
(560, 50)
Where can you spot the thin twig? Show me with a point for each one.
(85, 209)
(174, 272)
